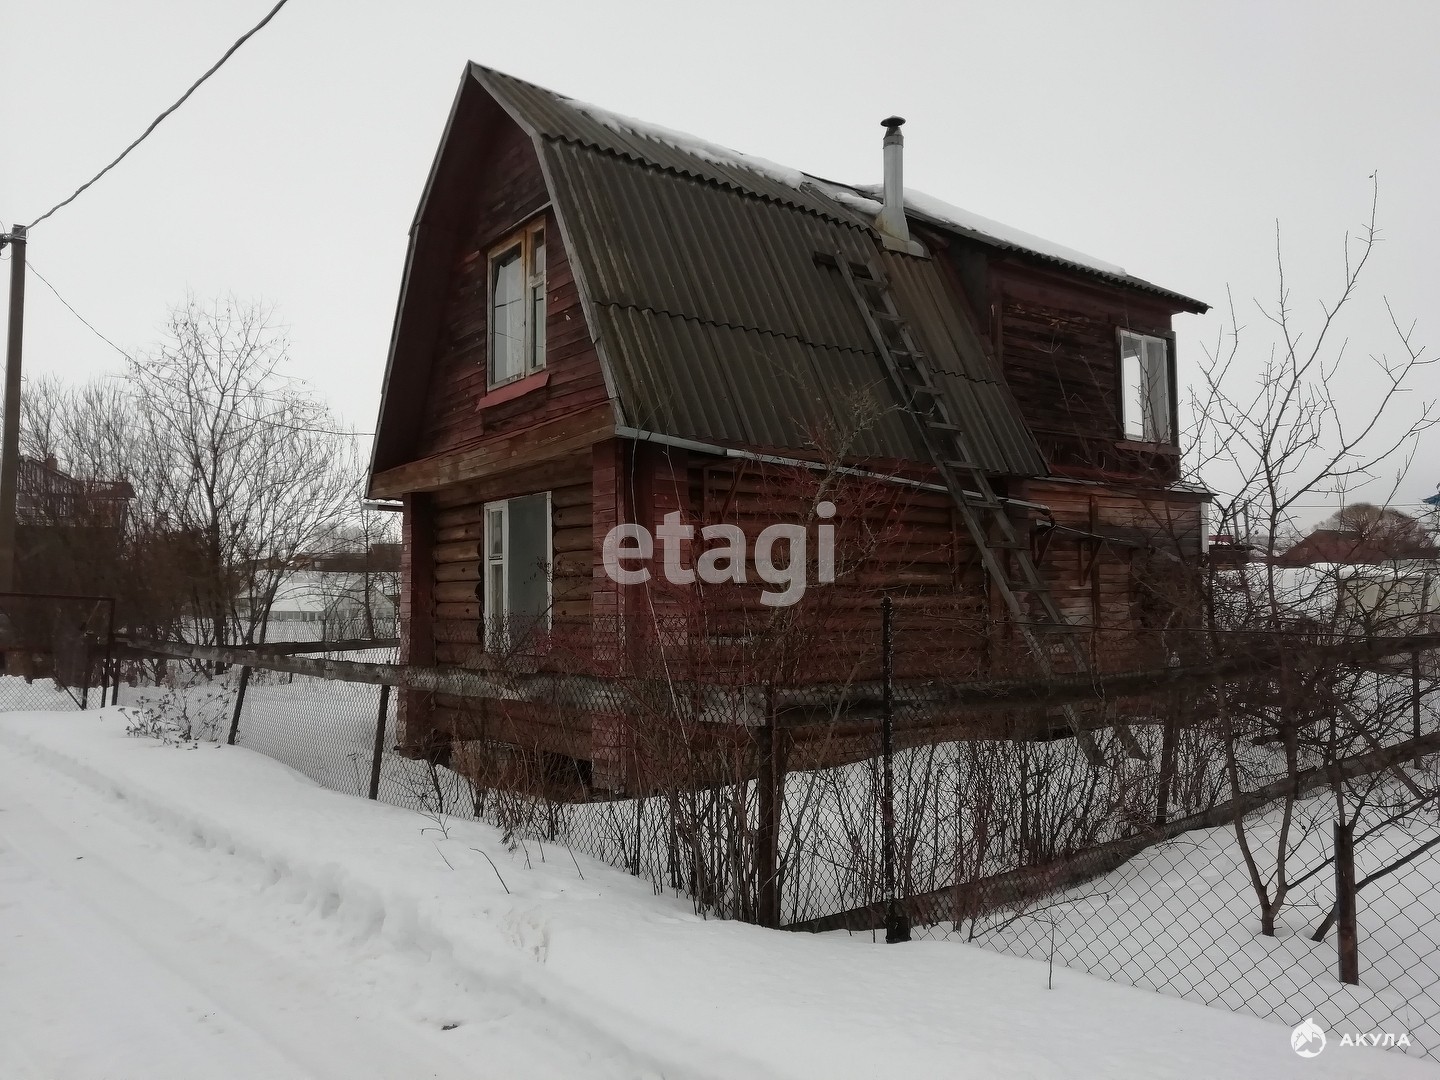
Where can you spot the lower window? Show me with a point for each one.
(517, 568)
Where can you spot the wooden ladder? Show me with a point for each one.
(995, 536)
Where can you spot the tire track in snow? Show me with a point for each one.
(521, 1029)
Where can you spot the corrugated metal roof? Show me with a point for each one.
(714, 318)
(554, 116)
(1002, 244)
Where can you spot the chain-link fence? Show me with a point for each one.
(1027, 849)
(54, 650)
(1204, 864)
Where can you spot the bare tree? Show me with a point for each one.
(245, 461)
(1382, 531)
(1272, 445)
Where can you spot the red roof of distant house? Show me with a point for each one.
(1351, 549)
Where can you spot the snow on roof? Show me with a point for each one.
(691, 144)
(859, 198)
(946, 214)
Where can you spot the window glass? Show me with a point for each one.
(517, 568)
(507, 316)
(1145, 398)
(1132, 381)
(529, 549)
(537, 301)
(1157, 391)
(495, 573)
(496, 532)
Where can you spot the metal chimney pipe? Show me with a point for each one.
(891, 219)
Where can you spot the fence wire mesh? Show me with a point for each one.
(1135, 872)
(53, 650)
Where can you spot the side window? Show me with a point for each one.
(517, 568)
(517, 306)
(1147, 388)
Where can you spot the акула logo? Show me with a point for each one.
(1308, 1039)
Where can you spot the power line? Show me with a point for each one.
(30, 265)
(156, 122)
(303, 428)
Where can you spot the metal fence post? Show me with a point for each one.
(1415, 700)
(112, 662)
(1347, 936)
(769, 779)
(379, 753)
(897, 925)
(239, 704)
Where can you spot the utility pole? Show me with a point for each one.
(10, 439)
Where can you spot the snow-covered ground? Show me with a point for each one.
(1181, 918)
(208, 912)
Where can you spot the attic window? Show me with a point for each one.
(517, 306)
(1147, 388)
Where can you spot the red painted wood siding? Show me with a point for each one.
(1056, 339)
(511, 191)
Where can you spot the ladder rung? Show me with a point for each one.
(969, 466)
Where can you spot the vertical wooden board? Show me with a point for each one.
(417, 641)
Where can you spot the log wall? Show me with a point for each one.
(1055, 336)
(442, 590)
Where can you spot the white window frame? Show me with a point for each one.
(1157, 384)
(496, 606)
(530, 239)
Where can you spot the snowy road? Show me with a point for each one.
(207, 913)
(129, 954)
(131, 950)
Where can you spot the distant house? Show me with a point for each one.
(46, 495)
(1336, 546)
(602, 323)
(1400, 597)
(1225, 549)
(69, 531)
(335, 596)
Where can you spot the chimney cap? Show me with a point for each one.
(890, 123)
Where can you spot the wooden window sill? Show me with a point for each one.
(512, 390)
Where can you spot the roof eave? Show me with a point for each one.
(1184, 303)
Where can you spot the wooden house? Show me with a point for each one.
(69, 532)
(602, 323)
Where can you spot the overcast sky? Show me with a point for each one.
(1166, 137)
